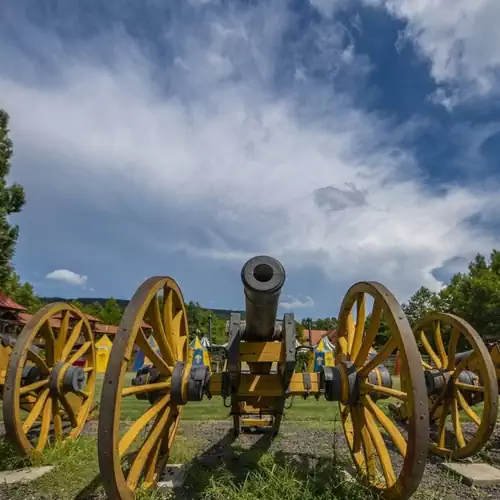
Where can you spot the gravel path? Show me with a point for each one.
(306, 447)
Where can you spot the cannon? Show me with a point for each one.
(47, 378)
(461, 382)
(135, 458)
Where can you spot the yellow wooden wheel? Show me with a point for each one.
(50, 380)
(136, 458)
(390, 459)
(458, 378)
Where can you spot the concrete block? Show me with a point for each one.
(173, 476)
(23, 475)
(475, 474)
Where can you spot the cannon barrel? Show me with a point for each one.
(263, 278)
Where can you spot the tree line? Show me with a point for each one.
(473, 295)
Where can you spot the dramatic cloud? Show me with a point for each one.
(460, 38)
(235, 145)
(292, 303)
(67, 276)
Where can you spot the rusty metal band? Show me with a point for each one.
(176, 384)
(198, 383)
(233, 352)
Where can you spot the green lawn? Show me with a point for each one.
(213, 409)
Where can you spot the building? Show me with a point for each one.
(313, 337)
(9, 316)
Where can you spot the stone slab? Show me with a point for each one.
(475, 474)
(348, 476)
(23, 475)
(173, 476)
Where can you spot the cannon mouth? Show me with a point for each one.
(263, 274)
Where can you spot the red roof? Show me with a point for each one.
(8, 303)
(25, 317)
(316, 335)
(108, 329)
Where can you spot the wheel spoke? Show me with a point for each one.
(350, 333)
(63, 335)
(140, 389)
(69, 410)
(80, 352)
(442, 425)
(176, 332)
(439, 343)
(469, 387)
(146, 448)
(370, 458)
(34, 386)
(154, 318)
(470, 412)
(168, 320)
(388, 425)
(380, 389)
(452, 348)
(430, 351)
(426, 366)
(369, 338)
(152, 460)
(383, 453)
(148, 351)
(129, 437)
(57, 420)
(360, 325)
(35, 410)
(455, 418)
(68, 347)
(50, 342)
(45, 427)
(389, 347)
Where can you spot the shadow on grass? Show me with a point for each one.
(226, 471)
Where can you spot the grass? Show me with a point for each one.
(245, 476)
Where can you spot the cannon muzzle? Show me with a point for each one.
(262, 277)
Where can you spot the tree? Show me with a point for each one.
(420, 304)
(475, 295)
(320, 324)
(11, 201)
(111, 313)
(22, 293)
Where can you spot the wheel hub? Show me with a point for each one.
(67, 378)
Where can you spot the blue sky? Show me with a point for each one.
(352, 140)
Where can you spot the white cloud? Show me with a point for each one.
(292, 303)
(300, 174)
(460, 38)
(327, 7)
(68, 277)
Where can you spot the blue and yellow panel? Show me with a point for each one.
(323, 355)
(198, 355)
(140, 358)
